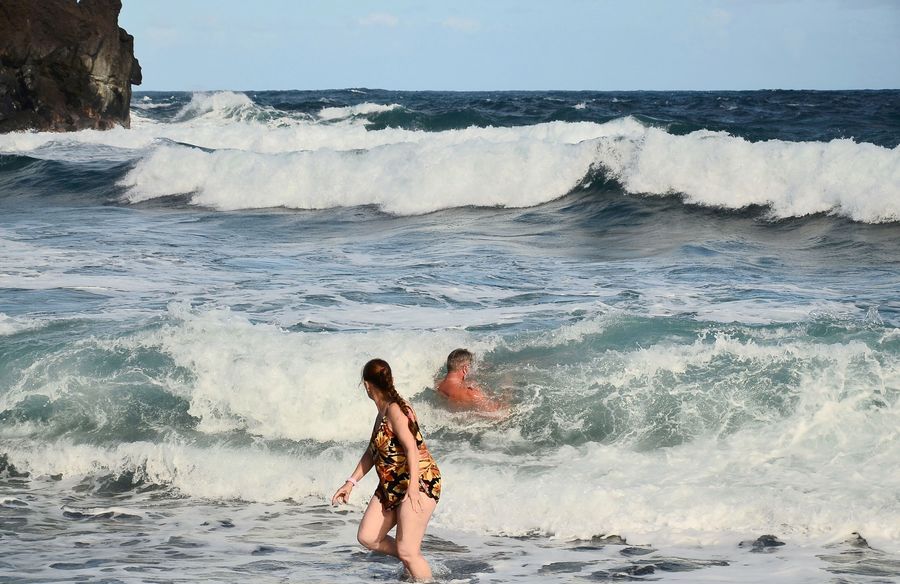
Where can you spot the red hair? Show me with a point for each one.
(378, 373)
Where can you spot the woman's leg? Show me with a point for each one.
(373, 528)
(410, 531)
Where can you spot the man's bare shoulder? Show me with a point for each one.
(452, 389)
(462, 393)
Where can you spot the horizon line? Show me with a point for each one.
(138, 89)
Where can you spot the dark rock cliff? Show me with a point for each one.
(64, 65)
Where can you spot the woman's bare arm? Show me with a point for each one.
(342, 495)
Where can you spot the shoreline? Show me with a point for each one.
(131, 535)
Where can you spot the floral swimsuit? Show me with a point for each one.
(392, 469)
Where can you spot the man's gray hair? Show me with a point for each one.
(457, 358)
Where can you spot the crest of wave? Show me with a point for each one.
(227, 106)
(272, 383)
(408, 172)
(860, 181)
(401, 171)
(362, 109)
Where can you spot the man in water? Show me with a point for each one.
(458, 390)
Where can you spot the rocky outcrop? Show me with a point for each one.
(64, 65)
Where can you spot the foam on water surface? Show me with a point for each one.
(305, 539)
(264, 157)
(673, 442)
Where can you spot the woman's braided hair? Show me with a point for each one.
(378, 373)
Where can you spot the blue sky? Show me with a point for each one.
(516, 44)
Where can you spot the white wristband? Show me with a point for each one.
(352, 481)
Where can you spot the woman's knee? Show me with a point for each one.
(407, 551)
(368, 540)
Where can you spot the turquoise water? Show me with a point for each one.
(690, 300)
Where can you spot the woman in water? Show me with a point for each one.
(395, 448)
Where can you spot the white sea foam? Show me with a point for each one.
(200, 472)
(316, 542)
(221, 106)
(267, 158)
(403, 178)
(786, 479)
(277, 384)
(215, 127)
(31, 265)
(802, 469)
(755, 311)
(148, 104)
(860, 181)
(114, 512)
(363, 109)
(804, 474)
(132, 276)
(10, 325)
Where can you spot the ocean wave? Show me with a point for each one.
(264, 157)
(803, 475)
(712, 384)
(216, 372)
(792, 179)
(363, 109)
(95, 513)
(202, 472)
(206, 123)
(727, 430)
(225, 107)
(149, 105)
(522, 167)
(403, 179)
(11, 162)
(260, 379)
(11, 325)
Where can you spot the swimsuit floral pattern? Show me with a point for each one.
(393, 470)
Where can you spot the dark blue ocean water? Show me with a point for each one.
(689, 299)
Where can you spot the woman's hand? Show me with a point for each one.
(342, 495)
(414, 496)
